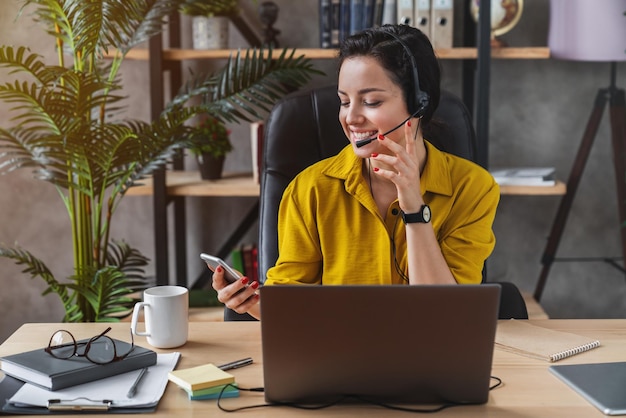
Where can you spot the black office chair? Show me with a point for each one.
(304, 128)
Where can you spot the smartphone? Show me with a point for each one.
(230, 274)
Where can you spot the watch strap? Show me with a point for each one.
(423, 216)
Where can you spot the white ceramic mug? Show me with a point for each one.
(166, 316)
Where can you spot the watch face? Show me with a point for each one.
(426, 213)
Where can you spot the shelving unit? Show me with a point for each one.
(317, 53)
(173, 186)
(189, 183)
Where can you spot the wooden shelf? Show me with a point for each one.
(317, 53)
(189, 183)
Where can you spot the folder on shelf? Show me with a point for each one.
(442, 23)
(421, 16)
(405, 12)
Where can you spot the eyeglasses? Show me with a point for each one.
(100, 349)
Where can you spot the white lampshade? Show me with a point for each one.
(588, 30)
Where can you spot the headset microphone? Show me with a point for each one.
(364, 142)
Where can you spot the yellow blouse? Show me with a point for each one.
(330, 231)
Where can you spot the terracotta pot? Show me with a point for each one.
(210, 167)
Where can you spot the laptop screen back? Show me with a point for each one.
(392, 344)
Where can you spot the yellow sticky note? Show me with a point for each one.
(200, 377)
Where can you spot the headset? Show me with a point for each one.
(422, 99)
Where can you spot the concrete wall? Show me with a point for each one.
(539, 110)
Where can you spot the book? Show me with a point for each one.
(247, 252)
(325, 23)
(255, 263)
(369, 9)
(390, 14)
(200, 377)
(524, 338)
(236, 260)
(335, 7)
(257, 130)
(378, 12)
(357, 24)
(525, 176)
(230, 390)
(344, 19)
(42, 369)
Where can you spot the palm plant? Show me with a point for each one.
(68, 129)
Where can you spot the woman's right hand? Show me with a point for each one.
(240, 296)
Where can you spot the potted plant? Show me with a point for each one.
(68, 126)
(209, 22)
(209, 141)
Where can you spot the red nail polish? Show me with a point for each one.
(381, 136)
(219, 269)
(244, 280)
(409, 123)
(376, 168)
(254, 285)
(374, 155)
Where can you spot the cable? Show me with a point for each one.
(346, 398)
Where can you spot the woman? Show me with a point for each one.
(390, 208)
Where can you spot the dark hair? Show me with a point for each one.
(378, 43)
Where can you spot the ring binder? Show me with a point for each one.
(68, 405)
(575, 350)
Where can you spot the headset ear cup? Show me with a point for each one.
(422, 99)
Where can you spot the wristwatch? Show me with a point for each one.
(423, 216)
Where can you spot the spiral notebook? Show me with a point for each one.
(524, 338)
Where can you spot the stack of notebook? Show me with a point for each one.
(40, 368)
(205, 382)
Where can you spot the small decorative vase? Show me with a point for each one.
(210, 167)
(210, 32)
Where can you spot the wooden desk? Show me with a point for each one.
(528, 390)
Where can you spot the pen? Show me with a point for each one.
(133, 388)
(236, 364)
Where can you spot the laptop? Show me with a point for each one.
(602, 384)
(390, 344)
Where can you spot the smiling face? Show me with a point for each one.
(371, 104)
